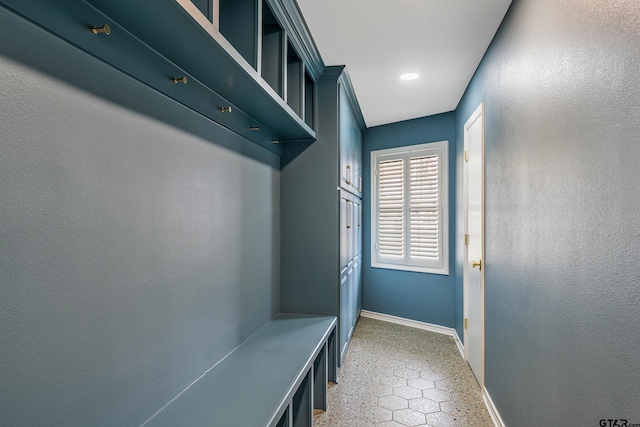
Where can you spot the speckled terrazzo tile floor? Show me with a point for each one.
(397, 376)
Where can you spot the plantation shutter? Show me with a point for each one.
(424, 200)
(409, 229)
(391, 202)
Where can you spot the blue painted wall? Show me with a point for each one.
(560, 82)
(418, 296)
(133, 255)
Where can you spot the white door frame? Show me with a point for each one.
(477, 114)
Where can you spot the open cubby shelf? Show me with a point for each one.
(309, 100)
(273, 37)
(294, 80)
(243, 65)
(238, 22)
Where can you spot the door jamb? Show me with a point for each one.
(465, 280)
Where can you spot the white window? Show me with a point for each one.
(409, 209)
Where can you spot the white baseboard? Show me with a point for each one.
(458, 343)
(491, 407)
(416, 324)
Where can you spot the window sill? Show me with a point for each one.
(412, 268)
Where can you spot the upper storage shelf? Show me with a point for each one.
(218, 45)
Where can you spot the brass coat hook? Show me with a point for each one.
(106, 29)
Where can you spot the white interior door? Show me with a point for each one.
(474, 239)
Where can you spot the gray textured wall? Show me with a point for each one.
(134, 255)
(561, 85)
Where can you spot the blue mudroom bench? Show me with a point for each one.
(273, 379)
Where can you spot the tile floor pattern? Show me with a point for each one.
(396, 376)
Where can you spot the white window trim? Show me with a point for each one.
(442, 149)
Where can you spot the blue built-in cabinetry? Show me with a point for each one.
(249, 65)
(321, 211)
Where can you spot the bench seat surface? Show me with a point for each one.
(254, 382)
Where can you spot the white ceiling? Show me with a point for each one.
(442, 40)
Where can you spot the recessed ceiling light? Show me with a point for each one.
(409, 76)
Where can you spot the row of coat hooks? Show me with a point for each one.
(106, 30)
(183, 80)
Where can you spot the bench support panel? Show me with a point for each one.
(332, 357)
(320, 379)
(302, 408)
(285, 420)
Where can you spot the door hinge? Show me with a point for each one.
(466, 323)
(466, 239)
(466, 155)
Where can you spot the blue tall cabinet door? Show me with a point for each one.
(350, 267)
(344, 231)
(344, 325)
(350, 146)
